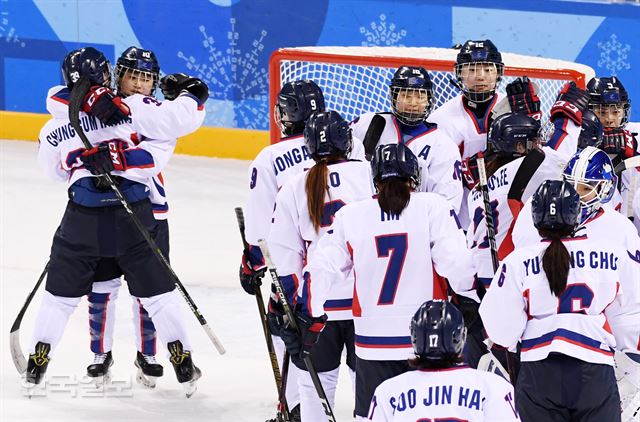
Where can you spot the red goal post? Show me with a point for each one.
(355, 80)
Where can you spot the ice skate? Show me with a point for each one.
(37, 365)
(99, 371)
(186, 372)
(148, 370)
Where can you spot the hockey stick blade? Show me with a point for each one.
(14, 336)
(371, 138)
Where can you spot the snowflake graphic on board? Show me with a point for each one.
(7, 32)
(238, 86)
(614, 55)
(379, 34)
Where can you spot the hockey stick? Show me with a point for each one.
(491, 236)
(282, 401)
(371, 138)
(488, 212)
(14, 336)
(294, 324)
(80, 89)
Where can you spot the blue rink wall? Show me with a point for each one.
(228, 43)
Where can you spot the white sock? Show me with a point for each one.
(52, 317)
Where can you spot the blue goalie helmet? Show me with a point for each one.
(555, 206)
(591, 174)
(513, 134)
(86, 62)
(395, 160)
(479, 59)
(609, 99)
(438, 331)
(327, 134)
(141, 65)
(411, 93)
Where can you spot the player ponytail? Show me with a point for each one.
(315, 187)
(555, 208)
(556, 260)
(394, 194)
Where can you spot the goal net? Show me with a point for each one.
(355, 80)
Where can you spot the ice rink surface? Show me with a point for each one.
(205, 253)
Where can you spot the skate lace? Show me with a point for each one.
(150, 359)
(99, 358)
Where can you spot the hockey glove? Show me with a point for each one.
(300, 344)
(523, 98)
(469, 170)
(275, 317)
(172, 85)
(620, 142)
(250, 276)
(468, 307)
(571, 102)
(105, 157)
(105, 105)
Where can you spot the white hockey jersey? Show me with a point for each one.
(438, 156)
(585, 321)
(269, 171)
(292, 237)
(454, 394)
(463, 127)
(393, 259)
(504, 209)
(60, 149)
(149, 119)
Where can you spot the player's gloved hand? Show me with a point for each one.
(105, 105)
(172, 85)
(620, 142)
(105, 157)
(469, 171)
(275, 316)
(571, 102)
(523, 98)
(469, 309)
(250, 276)
(300, 344)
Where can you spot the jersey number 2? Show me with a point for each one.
(394, 247)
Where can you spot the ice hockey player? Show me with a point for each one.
(269, 171)
(609, 100)
(85, 237)
(412, 99)
(137, 72)
(566, 300)
(305, 208)
(393, 242)
(466, 118)
(441, 387)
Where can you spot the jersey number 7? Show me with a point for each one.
(394, 247)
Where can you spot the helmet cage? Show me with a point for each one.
(134, 73)
(462, 70)
(407, 95)
(623, 109)
(603, 190)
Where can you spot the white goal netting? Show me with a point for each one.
(355, 80)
